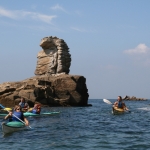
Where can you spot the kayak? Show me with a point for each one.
(5, 110)
(116, 110)
(12, 127)
(28, 114)
(2, 111)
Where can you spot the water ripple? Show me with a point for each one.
(91, 128)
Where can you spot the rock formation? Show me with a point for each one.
(52, 85)
(133, 98)
(54, 58)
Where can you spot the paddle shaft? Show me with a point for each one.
(20, 120)
(2, 106)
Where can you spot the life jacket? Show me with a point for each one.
(120, 105)
(23, 105)
(35, 109)
(18, 115)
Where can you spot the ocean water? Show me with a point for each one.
(85, 128)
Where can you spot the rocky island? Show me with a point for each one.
(133, 98)
(52, 84)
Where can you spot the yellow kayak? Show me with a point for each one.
(116, 110)
(5, 110)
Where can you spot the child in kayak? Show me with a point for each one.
(36, 109)
(17, 115)
(120, 104)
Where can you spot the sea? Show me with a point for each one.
(85, 128)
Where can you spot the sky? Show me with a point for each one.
(109, 42)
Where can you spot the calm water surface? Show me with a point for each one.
(90, 128)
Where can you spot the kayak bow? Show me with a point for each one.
(12, 127)
(116, 110)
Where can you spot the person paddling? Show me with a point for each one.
(120, 104)
(24, 105)
(17, 115)
(36, 109)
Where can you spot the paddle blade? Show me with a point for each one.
(107, 101)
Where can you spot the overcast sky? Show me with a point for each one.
(109, 42)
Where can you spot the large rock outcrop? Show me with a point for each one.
(52, 85)
(54, 58)
(62, 90)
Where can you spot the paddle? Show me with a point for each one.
(19, 119)
(108, 102)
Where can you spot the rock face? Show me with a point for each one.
(54, 58)
(52, 85)
(62, 90)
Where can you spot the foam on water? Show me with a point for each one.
(145, 108)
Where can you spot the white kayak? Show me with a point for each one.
(12, 127)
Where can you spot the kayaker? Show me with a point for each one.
(24, 105)
(120, 104)
(36, 109)
(17, 113)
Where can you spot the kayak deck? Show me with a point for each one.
(28, 114)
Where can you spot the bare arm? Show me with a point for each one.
(26, 121)
(115, 104)
(8, 116)
(125, 107)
